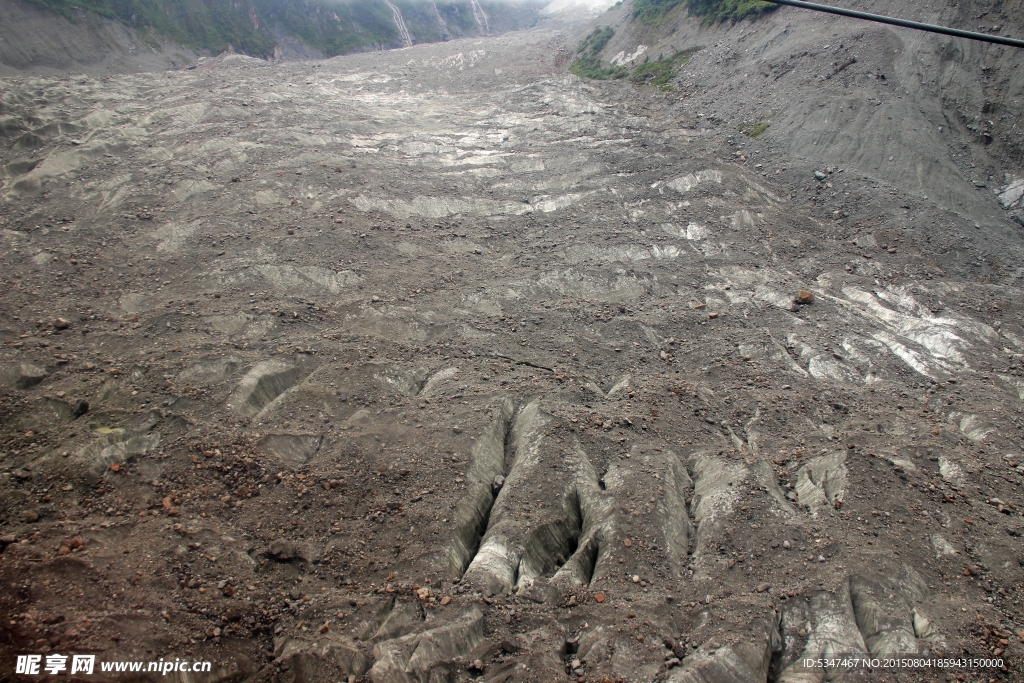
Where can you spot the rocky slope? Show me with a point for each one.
(103, 36)
(443, 364)
(934, 116)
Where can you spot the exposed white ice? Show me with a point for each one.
(692, 180)
(1010, 195)
(624, 57)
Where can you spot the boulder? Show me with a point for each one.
(22, 375)
(284, 550)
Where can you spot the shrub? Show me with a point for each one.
(660, 72)
(588, 64)
(756, 129)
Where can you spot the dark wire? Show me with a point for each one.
(901, 22)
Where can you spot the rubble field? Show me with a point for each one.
(441, 364)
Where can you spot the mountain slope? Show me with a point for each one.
(61, 33)
(928, 116)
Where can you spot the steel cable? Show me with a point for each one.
(1013, 42)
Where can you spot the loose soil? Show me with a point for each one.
(441, 364)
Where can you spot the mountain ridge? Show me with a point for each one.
(145, 34)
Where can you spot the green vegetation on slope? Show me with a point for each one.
(755, 130)
(67, 9)
(659, 73)
(253, 27)
(588, 64)
(333, 29)
(654, 12)
(508, 16)
(212, 25)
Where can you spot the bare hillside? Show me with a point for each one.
(927, 116)
(36, 39)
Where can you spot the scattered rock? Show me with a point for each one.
(30, 515)
(118, 446)
(822, 481)
(540, 592)
(284, 550)
(804, 297)
(941, 546)
(22, 375)
(922, 626)
(741, 663)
